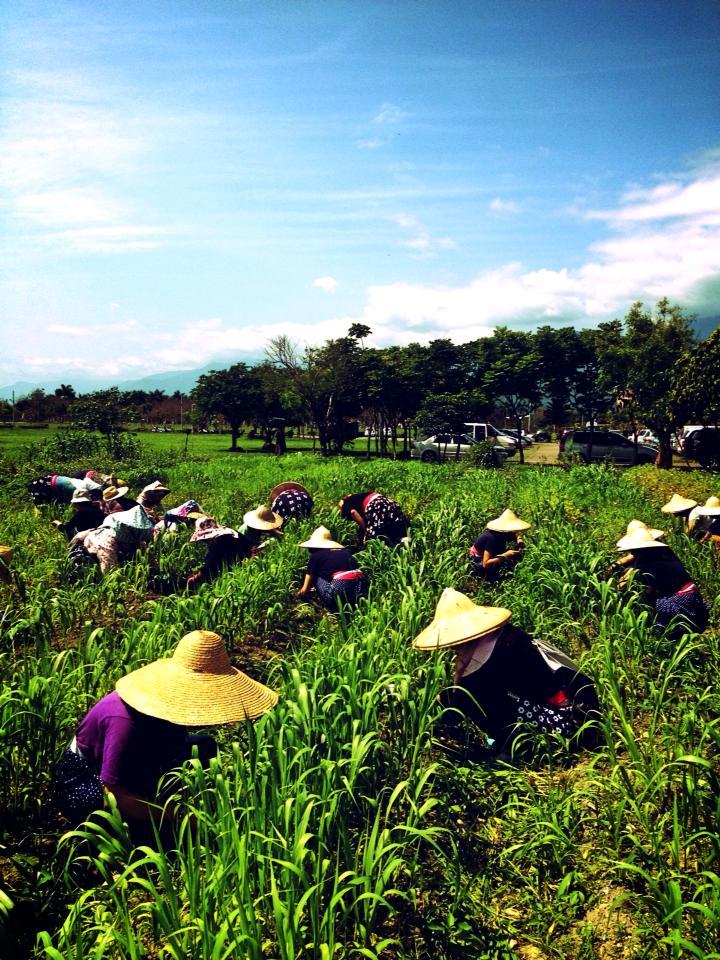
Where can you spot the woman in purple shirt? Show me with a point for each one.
(137, 733)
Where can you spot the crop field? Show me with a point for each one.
(349, 821)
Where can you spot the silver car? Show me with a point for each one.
(448, 446)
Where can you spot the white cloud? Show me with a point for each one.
(69, 331)
(498, 205)
(371, 143)
(422, 243)
(327, 284)
(109, 239)
(56, 208)
(389, 113)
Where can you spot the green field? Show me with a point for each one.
(347, 822)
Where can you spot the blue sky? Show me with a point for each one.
(181, 181)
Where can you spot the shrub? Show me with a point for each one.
(484, 454)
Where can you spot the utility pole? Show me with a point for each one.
(13, 408)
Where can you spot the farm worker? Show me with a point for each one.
(60, 489)
(290, 499)
(333, 571)
(137, 733)
(679, 507)
(504, 680)
(118, 537)
(499, 546)
(184, 515)
(225, 547)
(667, 583)
(5, 558)
(377, 517)
(632, 526)
(151, 496)
(260, 522)
(115, 499)
(87, 514)
(704, 521)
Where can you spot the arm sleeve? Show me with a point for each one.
(115, 746)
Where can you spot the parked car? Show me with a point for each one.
(444, 446)
(606, 445)
(542, 436)
(703, 444)
(525, 440)
(488, 431)
(645, 436)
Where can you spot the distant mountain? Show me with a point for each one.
(170, 381)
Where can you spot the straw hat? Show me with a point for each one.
(711, 508)
(508, 522)
(114, 493)
(208, 529)
(641, 525)
(288, 485)
(197, 686)
(678, 504)
(155, 489)
(6, 554)
(639, 539)
(321, 539)
(457, 620)
(262, 518)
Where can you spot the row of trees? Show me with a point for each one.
(64, 406)
(645, 369)
(648, 369)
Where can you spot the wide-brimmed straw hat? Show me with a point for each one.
(6, 554)
(262, 518)
(208, 529)
(287, 485)
(639, 539)
(508, 522)
(711, 508)
(321, 539)
(114, 493)
(155, 489)
(641, 525)
(457, 620)
(678, 504)
(197, 686)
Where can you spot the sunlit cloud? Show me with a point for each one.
(327, 284)
(68, 331)
(422, 242)
(390, 113)
(498, 205)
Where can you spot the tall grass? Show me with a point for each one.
(342, 823)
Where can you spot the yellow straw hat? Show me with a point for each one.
(508, 522)
(262, 518)
(6, 554)
(457, 620)
(287, 485)
(711, 508)
(321, 539)
(641, 525)
(114, 493)
(197, 686)
(678, 504)
(639, 539)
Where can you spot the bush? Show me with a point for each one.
(484, 454)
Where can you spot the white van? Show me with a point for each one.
(486, 431)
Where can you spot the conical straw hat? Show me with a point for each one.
(457, 619)
(6, 554)
(639, 540)
(262, 518)
(677, 504)
(508, 522)
(197, 686)
(641, 525)
(321, 539)
(287, 485)
(711, 508)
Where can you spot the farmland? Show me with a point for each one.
(348, 822)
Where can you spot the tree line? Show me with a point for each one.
(646, 369)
